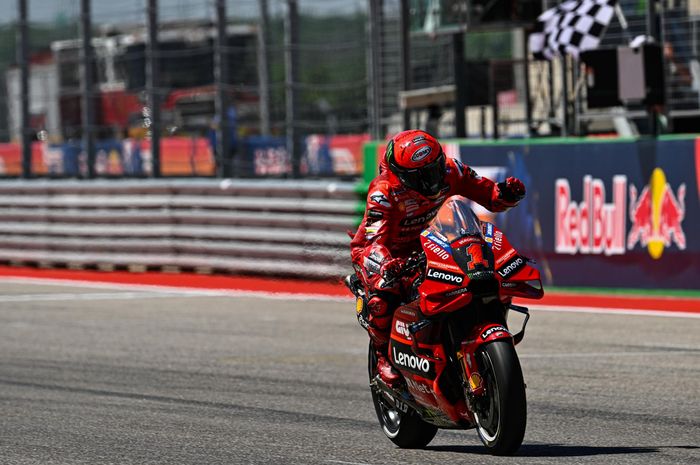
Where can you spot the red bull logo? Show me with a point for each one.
(591, 226)
(656, 215)
(595, 227)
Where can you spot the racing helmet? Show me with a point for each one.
(417, 159)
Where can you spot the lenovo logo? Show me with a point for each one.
(444, 276)
(511, 267)
(411, 361)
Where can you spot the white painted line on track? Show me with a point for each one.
(347, 463)
(89, 296)
(184, 291)
(608, 311)
(612, 354)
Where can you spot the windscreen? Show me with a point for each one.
(457, 225)
(456, 220)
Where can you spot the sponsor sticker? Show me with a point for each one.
(380, 199)
(407, 312)
(419, 220)
(497, 240)
(439, 235)
(480, 274)
(359, 305)
(375, 214)
(437, 250)
(512, 267)
(488, 234)
(404, 358)
(422, 153)
(402, 329)
(444, 276)
(437, 240)
(505, 257)
(494, 330)
(415, 386)
(464, 241)
(475, 381)
(371, 265)
(410, 206)
(456, 292)
(444, 266)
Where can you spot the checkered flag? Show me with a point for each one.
(572, 27)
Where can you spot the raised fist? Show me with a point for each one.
(507, 194)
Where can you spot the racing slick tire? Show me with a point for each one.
(502, 415)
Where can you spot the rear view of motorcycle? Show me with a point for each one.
(450, 340)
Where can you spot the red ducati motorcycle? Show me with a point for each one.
(451, 340)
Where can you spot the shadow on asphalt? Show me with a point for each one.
(551, 450)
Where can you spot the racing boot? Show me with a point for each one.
(387, 372)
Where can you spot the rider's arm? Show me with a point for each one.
(370, 246)
(496, 197)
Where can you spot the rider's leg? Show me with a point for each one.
(381, 310)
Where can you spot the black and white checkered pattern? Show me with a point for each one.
(570, 28)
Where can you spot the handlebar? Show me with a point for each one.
(415, 261)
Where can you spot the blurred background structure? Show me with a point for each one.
(294, 88)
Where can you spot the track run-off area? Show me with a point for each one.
(119, 368)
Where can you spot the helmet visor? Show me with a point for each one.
(428, 179)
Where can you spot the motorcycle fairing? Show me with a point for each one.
(513, 271)
(480, 335)
(422, 361)
(442, 275)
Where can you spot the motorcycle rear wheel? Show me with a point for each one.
(502, 417)
(405, 429)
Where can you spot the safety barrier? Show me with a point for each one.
(285, 228)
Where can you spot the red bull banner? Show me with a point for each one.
(621, 214)
(595, 227)
(598, 213)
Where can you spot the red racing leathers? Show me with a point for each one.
(390, 231)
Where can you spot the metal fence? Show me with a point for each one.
(235, 87)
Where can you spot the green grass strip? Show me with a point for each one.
(691, 293)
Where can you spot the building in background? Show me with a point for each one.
(187, 83)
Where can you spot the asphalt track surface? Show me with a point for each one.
(109, 375)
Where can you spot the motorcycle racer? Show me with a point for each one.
(415, 178)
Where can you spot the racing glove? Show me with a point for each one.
(507, 194)
(391, 268)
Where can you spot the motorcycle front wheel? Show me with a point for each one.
(501, 415)
(405, 429)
